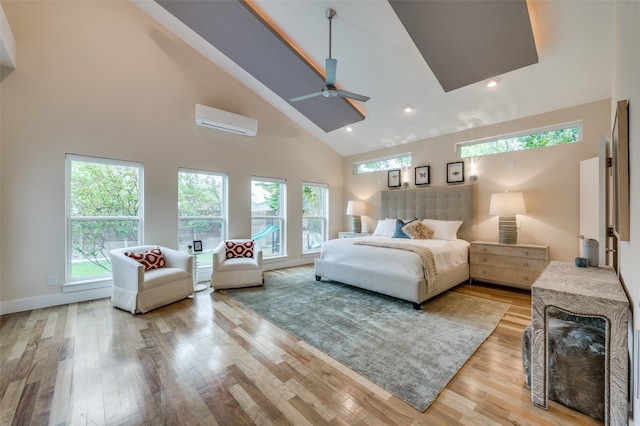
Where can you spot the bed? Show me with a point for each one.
(400, 271)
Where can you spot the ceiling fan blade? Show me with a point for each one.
(303, 97)
(354, 96)
(330, 68)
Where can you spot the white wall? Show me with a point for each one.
(104, 79)
(626, 85)
(549, 177)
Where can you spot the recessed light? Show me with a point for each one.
(348, 129)
(493, 82)
(408, 109)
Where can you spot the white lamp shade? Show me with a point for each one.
(356, 208)
(505, 203)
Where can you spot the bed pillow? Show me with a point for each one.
(385, 228)
(151, 259)
(235, 249)
(443, 229)
(417, 230)
(398, 232)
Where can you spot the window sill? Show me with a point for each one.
(86, 285)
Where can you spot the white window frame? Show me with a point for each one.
(224, 208)
(578, 124)
(382, 160)
(69, 159)
(281, 218)
(324, 218)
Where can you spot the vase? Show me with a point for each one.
(590, 249)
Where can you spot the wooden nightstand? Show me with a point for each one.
(353, 234)
(516, 265)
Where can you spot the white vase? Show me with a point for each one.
(590, 249)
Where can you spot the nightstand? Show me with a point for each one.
(353, 234)
(515, 265)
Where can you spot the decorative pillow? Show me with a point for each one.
(417, 230)
(385, 228)
(399, 233)
(443, 229)
(235, 249)
(151, 259)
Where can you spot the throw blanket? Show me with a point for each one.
(428, 263)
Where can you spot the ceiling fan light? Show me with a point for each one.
(408, 109)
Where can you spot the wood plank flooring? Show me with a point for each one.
(208, 361)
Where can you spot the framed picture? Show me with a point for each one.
(620, 155)
(197, 245)
(393, 178)
(455, 172)
(422, 175)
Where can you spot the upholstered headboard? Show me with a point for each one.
(454, 202)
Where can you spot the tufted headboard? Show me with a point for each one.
(455, 202)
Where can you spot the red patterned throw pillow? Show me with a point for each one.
(151, 259)
(238, 249)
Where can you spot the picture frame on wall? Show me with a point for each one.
(422, 175)
(620, 156)
(393, 178)
(197, 245)
(455, 172)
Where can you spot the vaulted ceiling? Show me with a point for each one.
(432, 56)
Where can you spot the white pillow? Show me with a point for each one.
(443, 229)
(385, 228)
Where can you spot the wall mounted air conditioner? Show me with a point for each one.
(226, 121)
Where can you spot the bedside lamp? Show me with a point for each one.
(507, 205)
(356, 209)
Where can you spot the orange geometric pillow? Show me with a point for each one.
(151, 259)
(235, 249)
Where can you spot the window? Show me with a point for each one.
(548, 136)
(104, 212)
(314, 216)
(202, 209)
(381, 164)
(268, 215)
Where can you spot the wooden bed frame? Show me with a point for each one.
(453, 202)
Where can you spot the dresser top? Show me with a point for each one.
(593, 282)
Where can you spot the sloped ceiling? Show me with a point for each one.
(378, 57)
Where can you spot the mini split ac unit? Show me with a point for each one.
(226, 121)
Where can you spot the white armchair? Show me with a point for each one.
(237, 270)
(138, 291)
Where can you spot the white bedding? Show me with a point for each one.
(446, 254)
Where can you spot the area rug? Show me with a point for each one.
(412, 354)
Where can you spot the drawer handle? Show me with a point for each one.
(525, 264)
(526, 253)
(526, 279)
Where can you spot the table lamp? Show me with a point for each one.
(507, 205)
(356, 209)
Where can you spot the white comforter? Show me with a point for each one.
(446, 254)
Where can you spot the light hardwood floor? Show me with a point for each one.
(207, 360)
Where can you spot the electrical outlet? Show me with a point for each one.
(52, 280)
(518, 224)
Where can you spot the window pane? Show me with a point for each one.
(552, 136)
(268, 215)
(314, 212)
(103, 213)
(381, 164)
(201, 210)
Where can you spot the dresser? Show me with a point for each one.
(515, 265)
(588, 292)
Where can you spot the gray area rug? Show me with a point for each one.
(412, 354)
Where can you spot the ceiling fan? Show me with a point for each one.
(330, 90)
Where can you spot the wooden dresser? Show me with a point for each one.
(515, 265)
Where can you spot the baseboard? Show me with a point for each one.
(49, 300)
